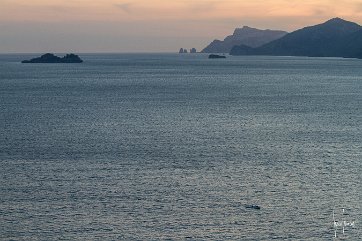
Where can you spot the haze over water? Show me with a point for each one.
(149, 147)
(40, 26)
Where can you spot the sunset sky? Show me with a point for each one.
(151, 25)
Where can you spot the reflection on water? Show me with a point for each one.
(152, 147)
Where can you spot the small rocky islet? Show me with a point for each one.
(216, 56)
(51, 58)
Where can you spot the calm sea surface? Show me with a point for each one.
(155, 147)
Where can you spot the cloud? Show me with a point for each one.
(125, 7)
(59, 8)
(203, 6)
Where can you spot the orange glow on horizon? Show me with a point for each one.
(153, 25)
(176, 10)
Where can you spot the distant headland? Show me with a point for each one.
(248, 36)
(334, 38)
(51, 58)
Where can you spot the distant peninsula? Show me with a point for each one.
(247, 36)
(334, 38)
(53, 59)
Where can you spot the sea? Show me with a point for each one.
(175, 147)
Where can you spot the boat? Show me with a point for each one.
(252, 206)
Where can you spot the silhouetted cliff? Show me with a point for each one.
(334, 38)
(247, 36)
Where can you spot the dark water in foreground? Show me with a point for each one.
(150, 147)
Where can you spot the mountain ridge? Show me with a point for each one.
(246, 35)
(333, 38)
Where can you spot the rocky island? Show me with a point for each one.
(216, 56)
(51, 58)
(183, 51)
